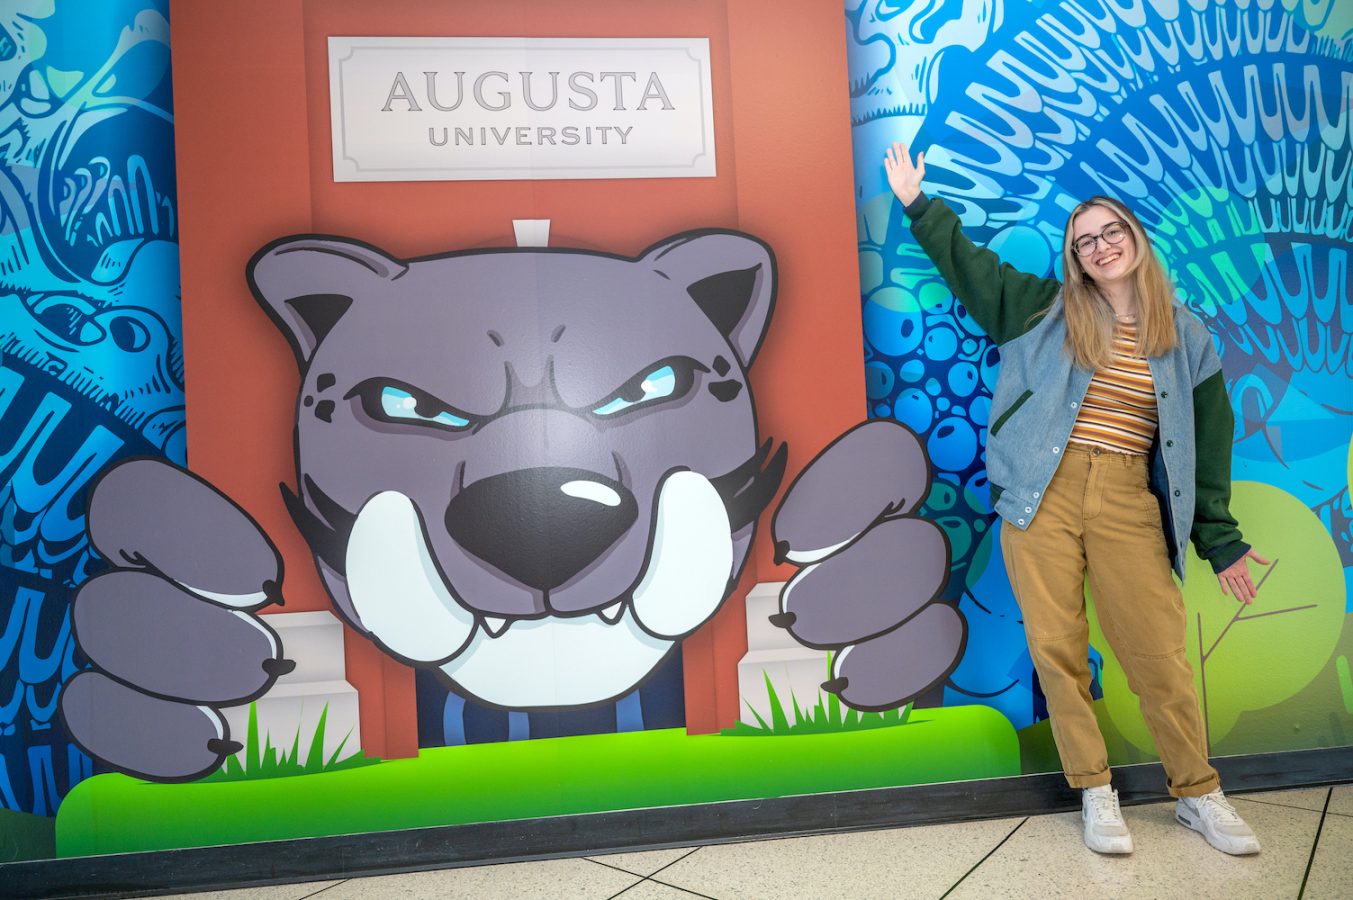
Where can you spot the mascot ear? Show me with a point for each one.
(730, 276)
(306, 283)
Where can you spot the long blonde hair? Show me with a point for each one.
(1090, 318)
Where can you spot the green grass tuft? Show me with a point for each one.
(273, 762)
(826, 717)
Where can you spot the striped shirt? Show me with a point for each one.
(1119, 409)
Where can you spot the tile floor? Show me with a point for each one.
(1307, 836)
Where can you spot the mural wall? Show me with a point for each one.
(1227, 127)
(89, 331)
(589, 517)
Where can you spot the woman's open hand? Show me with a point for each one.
(1235, 578)
(904, 177)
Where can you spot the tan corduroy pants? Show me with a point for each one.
(1098, 517)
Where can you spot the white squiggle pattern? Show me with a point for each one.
(1228, 126)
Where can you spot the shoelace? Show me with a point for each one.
(1221, 810)
(1104, 807)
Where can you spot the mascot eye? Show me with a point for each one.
(663, 383)
(391, 403)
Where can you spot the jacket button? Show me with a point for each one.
(1164, 394)
(1028, 509)
(1021, 521)
(1056, 449)
(1169, 443)
(1035, 495)
(1074, 404)
(1176, 493)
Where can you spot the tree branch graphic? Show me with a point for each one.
(1252, 680)
(1240, 616)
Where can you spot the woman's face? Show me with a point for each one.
(1107, 262)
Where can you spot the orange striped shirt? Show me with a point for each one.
(1119, 410)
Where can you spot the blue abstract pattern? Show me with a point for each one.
(92, 367)
(1226, 125)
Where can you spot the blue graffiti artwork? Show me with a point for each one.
(89, 330)
(1228, 127)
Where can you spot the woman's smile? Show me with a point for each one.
(1106, 262)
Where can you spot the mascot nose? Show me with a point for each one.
(541, 526)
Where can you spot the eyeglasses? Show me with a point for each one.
(1113, 233)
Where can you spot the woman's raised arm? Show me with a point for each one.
(1002, 299)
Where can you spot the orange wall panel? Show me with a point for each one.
(254, 162)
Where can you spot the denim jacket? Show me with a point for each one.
(1040, 389)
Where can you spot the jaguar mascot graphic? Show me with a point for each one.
(531, 470)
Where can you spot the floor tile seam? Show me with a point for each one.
(626, 888)
(325, 888)
(653, 878)
(677, 886)
(988, 856)
(1315, 844)
(638, 880)
(614, 868)
(1281, 805)
(684, 856)
(593, 859)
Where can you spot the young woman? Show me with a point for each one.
(1109, 443)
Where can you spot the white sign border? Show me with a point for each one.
(696, 48)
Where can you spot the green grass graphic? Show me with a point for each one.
(525, 779)
(826, 717)
(274, 762)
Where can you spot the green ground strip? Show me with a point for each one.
(24, 836)
(525, 779)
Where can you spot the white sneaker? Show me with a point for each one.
(1217, 820)
(1105, 830)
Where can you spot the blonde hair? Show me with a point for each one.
(1090, 318)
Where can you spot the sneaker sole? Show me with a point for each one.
(1121, 850)
(1121, 846)
(1195, 825)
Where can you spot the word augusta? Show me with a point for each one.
(540, 91)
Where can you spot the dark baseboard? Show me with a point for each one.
(349, 856)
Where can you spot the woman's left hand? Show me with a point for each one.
(1235, 578)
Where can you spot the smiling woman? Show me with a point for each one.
(1110, 274)
(1119, 447)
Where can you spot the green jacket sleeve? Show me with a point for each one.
(1000, 298)
(1215, 534)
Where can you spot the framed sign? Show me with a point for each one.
(453, 109)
